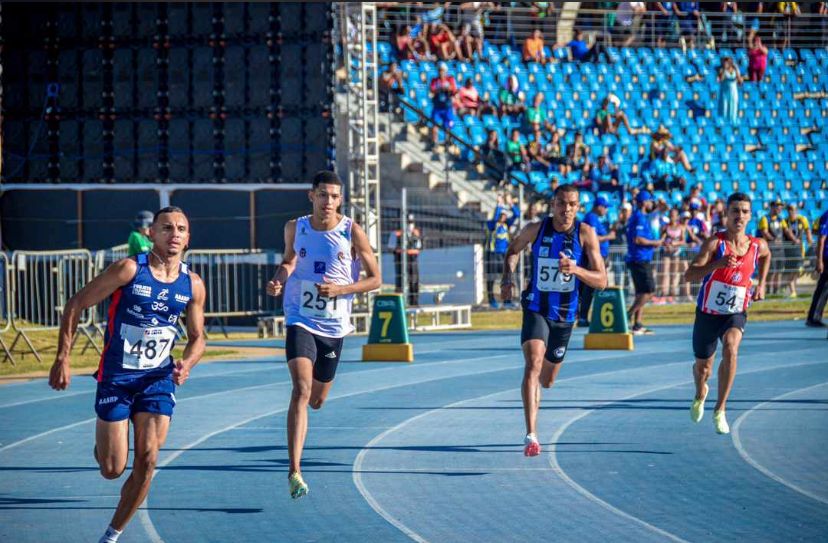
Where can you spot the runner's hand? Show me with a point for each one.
(328, 289)
(181, 372)
(759, 292)
(566, 265)
(505, 291)
(60, 376)
(274, 288)
(729, 261)
(820, 265)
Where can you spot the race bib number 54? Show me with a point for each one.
(551, 279)
(146, 348)
(315, 305)
(724, 298)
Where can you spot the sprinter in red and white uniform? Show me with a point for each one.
(726, 263)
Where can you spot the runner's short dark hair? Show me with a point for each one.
(326, 177)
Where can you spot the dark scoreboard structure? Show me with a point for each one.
(160, 95)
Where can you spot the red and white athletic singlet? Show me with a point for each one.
(728, 290)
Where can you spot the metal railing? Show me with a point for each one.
(787, 265)
(42, 283)
(234, 280)
(512, 25)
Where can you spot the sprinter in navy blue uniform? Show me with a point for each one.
(137, 374)
(560, 247)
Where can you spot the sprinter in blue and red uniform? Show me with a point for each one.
(726, 264)
(560, 246)
(137, 374)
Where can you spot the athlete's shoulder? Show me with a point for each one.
(126, 268)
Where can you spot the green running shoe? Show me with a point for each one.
(722, 427)
(697, 409)
(298, 487)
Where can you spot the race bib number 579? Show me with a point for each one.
(551, 279)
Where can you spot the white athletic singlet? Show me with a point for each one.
(321, 254)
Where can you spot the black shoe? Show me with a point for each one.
(815, 324)
(583, 323)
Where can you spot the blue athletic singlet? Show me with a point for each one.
(141, 328)
(552, 294)
(321, 254)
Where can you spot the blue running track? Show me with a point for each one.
(432, 451)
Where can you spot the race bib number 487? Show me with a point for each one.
(146, 348)
(551, 279)
(724, 298)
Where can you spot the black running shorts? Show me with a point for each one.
(555, 335)
(642, 277)
(709, 329)
(323, 351)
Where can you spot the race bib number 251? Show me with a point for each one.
(313, 304)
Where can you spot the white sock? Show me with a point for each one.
(530, 437)
(111, 535)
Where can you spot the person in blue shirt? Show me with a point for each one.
(821, 293)
(597, 219)
(497, 241)
(579, 51)
(641, 241)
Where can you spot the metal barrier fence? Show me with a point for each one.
(512, 25)
(42, 283)
(5, 303)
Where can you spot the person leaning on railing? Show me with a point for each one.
(139, 241)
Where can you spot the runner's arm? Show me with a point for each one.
(196, 343)
(372, 280)
(597, 277)
(115, 276)
(283, 271)
(704, 263)
(764, 266)
(516, 246)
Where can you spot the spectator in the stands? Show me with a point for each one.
(661, 140)
(511, 98)
(471, 35)
(486, 107)
(442, 43)
(662, 171)
(784, 22)
(579, 50)
(497, 241)
(443, 88)
(516, 152)
(537, 156)
(604, 175)
(755, 9)
(757, 60)
(628, 21)
(662, 21)
(689, 16)
(553, 153)
(610, 117)
(537, 116)
(673, 232)
(391, 87)
(577, 155)
(493, 155)
(467, 99)
(433, 12)
(533, 48)
(729, 79)
(408, 47)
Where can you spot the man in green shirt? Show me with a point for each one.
(139, 241)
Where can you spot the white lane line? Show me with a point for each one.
(737, 442)
(253, 387)
(553, 458)
(360, 458)
(143, 512)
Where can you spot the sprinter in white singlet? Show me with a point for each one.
(318, 276)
